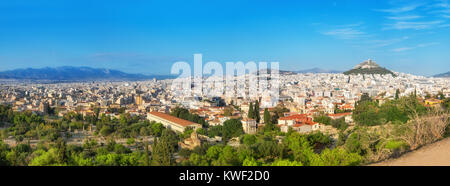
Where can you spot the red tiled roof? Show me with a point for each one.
(174, 119)
(301, 124)
(297, 125)
(340, 114)
(311, 123)
(294, 117)
(348, 105)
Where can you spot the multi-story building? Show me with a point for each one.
(250, 126)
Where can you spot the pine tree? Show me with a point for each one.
(256, 110)
(250, 111)
(267, 120)
(266, 116)
(61, 151)
(147, 160)
(163, 149)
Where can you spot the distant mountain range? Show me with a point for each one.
(317, 70)
(313, 70)
(69, 73)
(447, 74)
(368, 67)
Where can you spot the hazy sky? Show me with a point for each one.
(149, 36)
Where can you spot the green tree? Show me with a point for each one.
(323, 119)
(300, 147)
(201, 131)
(390, 112)
(339, 123)
(250, 161)
(353, 144)
(106, 130)
(61, 151)
(214, 152)
(251, 113)
(220, 155)
(198, 160)
(281, 162)
(78, 159)
(18, 155)
(232, 128)
(215, 131)
(257, 116)
(268, 124)
(164, 148)
(249, 139)
(3, 151)
(336, 157)
(366, 113)
(157, 129)
(187, 132)
(147, 159)
(267, 149)
(46, 158)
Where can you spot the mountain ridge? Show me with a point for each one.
(446, 74)
(73, 73)
(317, 70)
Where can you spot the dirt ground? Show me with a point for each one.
(436, 154)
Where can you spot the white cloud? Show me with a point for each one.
(408, 17)
(402, 25)
(349, 31)
(403, 49)
(387, 42)
(402, 9)
(442, 8)
(345, 33)
(404, 17)
(427, 44)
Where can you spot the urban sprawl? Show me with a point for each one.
(303, 95)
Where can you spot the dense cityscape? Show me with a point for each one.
(200, 90)
(318, 119)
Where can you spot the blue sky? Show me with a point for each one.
(149, 36)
